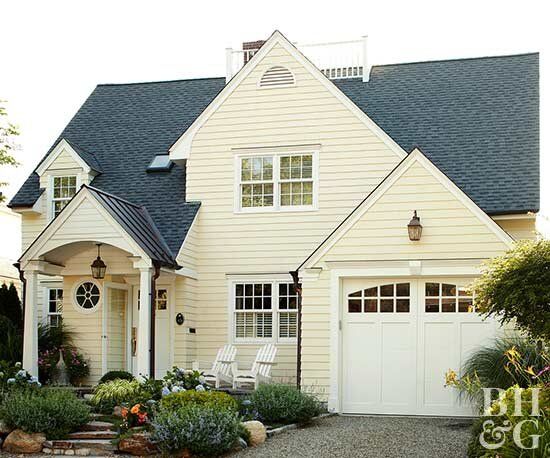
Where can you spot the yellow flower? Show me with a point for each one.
(512, 354)
(531, 371)
(451, 378)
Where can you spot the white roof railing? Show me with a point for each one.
(342, 59)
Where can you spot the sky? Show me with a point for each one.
(55, 52)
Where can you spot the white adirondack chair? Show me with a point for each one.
(221, 369)
(261, 369)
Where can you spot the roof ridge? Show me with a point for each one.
(100, 191)
(459, 59)
(162, 81)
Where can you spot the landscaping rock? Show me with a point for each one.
(138, 444)
(117, 411)
(19, 441)
(258, 433)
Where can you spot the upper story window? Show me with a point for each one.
(63, 189)
(277, 182)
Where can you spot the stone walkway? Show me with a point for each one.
(384, 437)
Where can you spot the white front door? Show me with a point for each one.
(163, 353)
(400, 336)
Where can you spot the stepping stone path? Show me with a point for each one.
(94, 439)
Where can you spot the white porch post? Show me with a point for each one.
(144, 325)
(30, 331)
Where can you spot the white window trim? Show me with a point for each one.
(276, 182)
(46, 300)
(74, 302)
(51, 199)
(274, 281)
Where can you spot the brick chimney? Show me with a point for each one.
(250, 48)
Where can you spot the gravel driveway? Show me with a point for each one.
(370, 437)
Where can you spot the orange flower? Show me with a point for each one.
(135, 409)
(124, 412)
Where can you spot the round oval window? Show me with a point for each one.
(87, 295)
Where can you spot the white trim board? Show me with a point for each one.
(181, 148)
(415, 156)
(33, 251)
(62, 145)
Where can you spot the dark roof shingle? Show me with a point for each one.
(476, 119)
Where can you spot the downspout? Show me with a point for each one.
(298, 288)
(154, 278)
(17, 265)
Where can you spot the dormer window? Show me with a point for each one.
(63, 189)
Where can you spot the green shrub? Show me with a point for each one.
(117, 392)
(115, 375)
(508, 421)
(204, 431)
(214, 399)
(54, 412)
(493, 367)
(284, 404)
(11, 345)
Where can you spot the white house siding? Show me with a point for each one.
(352, 161)
(450, 231)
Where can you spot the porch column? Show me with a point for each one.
(30, 330)
(144, 325)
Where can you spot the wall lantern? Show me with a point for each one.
(415, 228)
(98, 266)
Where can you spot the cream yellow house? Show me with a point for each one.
(273, 207)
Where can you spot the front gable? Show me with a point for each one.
(83, 219)
(280, 78)
(454, 227)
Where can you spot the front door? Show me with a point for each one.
(162, 331)
(400, 336)
(116, 329)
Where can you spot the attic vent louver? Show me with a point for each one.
(277, 76)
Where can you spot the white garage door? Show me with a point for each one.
(399, 339)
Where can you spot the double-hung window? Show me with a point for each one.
(277, 182)
(55, 306)
(63, 189)
(265, 311)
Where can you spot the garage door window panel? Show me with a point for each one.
(388, 298)
(447, 298)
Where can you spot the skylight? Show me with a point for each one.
(160, 163)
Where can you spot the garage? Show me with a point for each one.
(399, 337)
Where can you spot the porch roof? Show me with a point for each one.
(137, 222)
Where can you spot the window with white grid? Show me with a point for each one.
(296, 180)
(277, 182)
(257, 182)
(288, 311)
(64, 188)
(265, 311)
(55, 306)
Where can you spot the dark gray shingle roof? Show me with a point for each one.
(87, 157)
(138, 224)
(476, 119)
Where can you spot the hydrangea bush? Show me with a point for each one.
(178, 380)
(17, 377)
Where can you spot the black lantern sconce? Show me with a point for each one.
(98, 266)
(415, 228)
